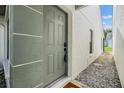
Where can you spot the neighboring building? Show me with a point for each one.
(109, 39)
(109, 42)
(118, 40)
(46, 43)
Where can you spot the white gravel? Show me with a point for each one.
(102, 73)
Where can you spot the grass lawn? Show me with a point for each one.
(107, 49)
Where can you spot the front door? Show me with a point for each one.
(55, 37)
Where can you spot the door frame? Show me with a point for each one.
(7, 60)
(69, 38)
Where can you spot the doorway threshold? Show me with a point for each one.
(59, 83)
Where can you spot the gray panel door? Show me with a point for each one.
(37, 45)
(54, 26)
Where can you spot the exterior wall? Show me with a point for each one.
(118, 40)
(85, 19)
(2, 41)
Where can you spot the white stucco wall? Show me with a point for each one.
(85, 19)
(118, 40)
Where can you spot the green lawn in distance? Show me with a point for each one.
(107, 49)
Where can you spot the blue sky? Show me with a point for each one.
(106, 12)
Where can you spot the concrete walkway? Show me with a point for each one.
(102, 73)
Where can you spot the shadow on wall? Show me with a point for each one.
(1, 45)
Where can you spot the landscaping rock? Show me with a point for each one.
(102, 73)
(2, 79)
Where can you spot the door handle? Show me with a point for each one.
(65, 44)
(65, 53)
(65, 49)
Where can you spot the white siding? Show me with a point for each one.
(118, 40)
(85, 19)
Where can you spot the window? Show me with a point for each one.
(91, 41)
(101, 43)
(7, 39)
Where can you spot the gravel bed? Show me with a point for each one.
(2, 79)
(102, 73)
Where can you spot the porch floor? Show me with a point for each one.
(102, 73)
